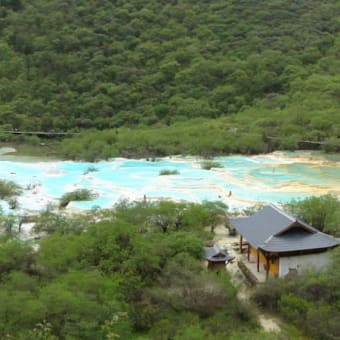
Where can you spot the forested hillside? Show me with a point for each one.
(135, 274)
(269, 67)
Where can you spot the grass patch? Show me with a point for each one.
(41, 148)
(90, 169)
(207, 165)
(8, 189)
(77, 195)
(166, 172)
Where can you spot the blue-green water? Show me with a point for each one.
(242, 181)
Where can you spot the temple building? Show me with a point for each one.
(281, 243)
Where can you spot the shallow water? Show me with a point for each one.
(277, 178)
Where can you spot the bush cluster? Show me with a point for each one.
(77, 195)
(134, 272)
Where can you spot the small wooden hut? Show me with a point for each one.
(217, 258)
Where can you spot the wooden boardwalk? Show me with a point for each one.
(299, 141)
(39, 133)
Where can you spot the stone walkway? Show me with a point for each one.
(223, 240)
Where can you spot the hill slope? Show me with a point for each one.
(67, 64)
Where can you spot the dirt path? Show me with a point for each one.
(224, 240)
(269, 325)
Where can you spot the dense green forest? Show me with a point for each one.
(322, 212)
(134, 272)
(139, 78)
(252, 69)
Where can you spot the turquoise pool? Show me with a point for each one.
(273, 178)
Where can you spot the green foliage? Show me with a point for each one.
(19, 310)
(9, 226)
(91, 146)
(118, 326)
(194, 332)
(293, 307)
(303, 298)
(268, 296)
(76, 304)
(8, 189)
(90, 169)
(332, 144)
(57, 254)
(167, 172)
(326, 327)
(321, 212)
(216, 213)
(50, 222)
(13, 203)
(118, 273)
(208, 165)
(15, 255)
(42, 331)
(77, 195)
(164, 64)
(251, 210)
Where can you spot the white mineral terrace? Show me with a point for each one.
(242, 181)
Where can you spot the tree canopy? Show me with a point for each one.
(118, 273)
(270, 68)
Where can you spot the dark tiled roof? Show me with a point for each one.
(265, 223)
(272, 229)
(215, 254)
(296, 240)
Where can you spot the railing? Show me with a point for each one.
(39, 133)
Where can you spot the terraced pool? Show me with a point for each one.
(242, 180)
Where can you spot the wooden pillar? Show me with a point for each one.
(258, 260)
(248, 251)
(241, 243)
(267, 267)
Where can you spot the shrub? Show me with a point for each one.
(9, 189)
(166, 172)
(90, 169)
(269, 294)
(331, 145)
(321, 212)
(77, 195)
(325, 327)
(294, 308)
(208, 165)
(13, 203)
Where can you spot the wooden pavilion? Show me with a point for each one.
(282, 243)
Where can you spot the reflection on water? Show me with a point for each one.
(276, 178)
